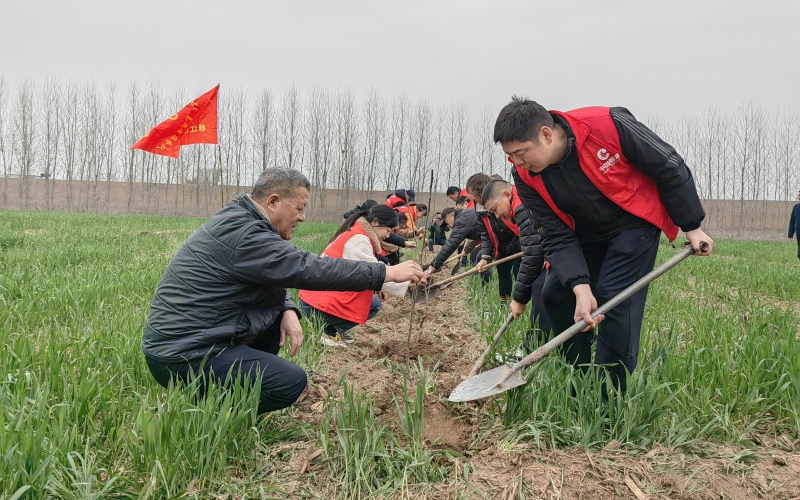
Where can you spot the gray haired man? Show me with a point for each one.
(222, 309)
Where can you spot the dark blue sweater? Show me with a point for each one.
(794, 222)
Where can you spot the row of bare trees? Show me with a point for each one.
(77, 135)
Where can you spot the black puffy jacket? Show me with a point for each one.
(466, 226)
(532, 264)
(508, 242)
(227, 283)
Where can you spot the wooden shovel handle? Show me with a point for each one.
(474, 270)
(478, 364)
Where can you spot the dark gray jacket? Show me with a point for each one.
(466, 226)
(227, 283)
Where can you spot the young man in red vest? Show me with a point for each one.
(501, 200)
(600, 187)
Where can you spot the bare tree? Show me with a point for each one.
(421, 126)
(132, 134)
(24, 137)
(374, 133)
(319, 141)
(346, 113)
(6, 156)
(290, 127)
(398, 137)
(264, 129)
(49, 117)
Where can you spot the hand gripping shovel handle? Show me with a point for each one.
(500, 332)
(474, 270)
(451, 259)
(549, 347)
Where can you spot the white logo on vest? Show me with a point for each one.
(608, 160)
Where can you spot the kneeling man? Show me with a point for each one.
(222, 308)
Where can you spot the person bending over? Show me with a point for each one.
(222, 309)
(437, 231)
(359, 238)
(466, 226)
(364, 206)
(499, 239)
(600, 187)
(501, 200)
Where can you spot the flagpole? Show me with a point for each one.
(221, 185)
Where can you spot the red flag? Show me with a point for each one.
(196, 123)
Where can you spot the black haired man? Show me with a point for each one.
(601, 187)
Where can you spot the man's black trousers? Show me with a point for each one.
(506, 276)
(614, 265)
(282, 381)
(798, 245)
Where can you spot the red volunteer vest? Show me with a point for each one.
(515, 202)
(394, 201)
(466, 194)
(352, 306)
(600, 156)
(411, 211)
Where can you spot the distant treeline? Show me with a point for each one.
(80, 132)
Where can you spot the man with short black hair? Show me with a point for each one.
(453, 192)
(222, 309)
(600, 187)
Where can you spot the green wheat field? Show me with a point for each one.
(81, 417)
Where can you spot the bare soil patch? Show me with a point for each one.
(374, 364)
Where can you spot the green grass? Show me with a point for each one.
(81, 417)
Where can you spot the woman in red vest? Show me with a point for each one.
(359, 238)
(601, 188)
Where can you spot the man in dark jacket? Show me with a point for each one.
(465, 226)
(794, 225)
(499, 238)
(601, 188)
(438, 229)
(501, 200)
(222, 308)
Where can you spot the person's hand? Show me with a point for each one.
(411, 244)
(290, 325)
(481, 264)
(585, 304)
(518, 308)
(382, 296)
(696, 237)
(407, 271)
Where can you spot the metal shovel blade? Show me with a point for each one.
(494, 381)
(423, 296)
(487, 384)
(456, 268)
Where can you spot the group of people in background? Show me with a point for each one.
(579, 218)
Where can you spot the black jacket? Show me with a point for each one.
(396, 239)
(794, 222)
(509, 242)
(438, 232)
(466, 226)
(227, 283)
(532, 263)
(597, 217)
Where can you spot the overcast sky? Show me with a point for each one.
(667, 57)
